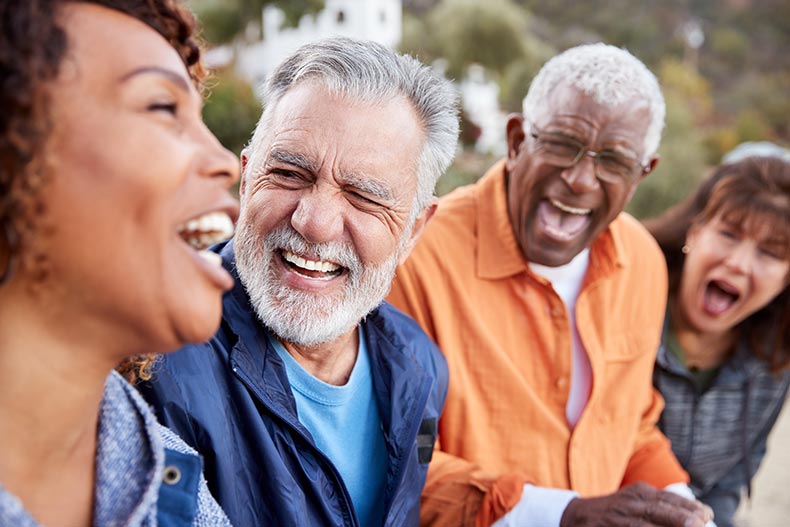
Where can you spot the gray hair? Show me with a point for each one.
(756, 148)
(610, 75)
(371, 72)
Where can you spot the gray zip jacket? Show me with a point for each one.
(719, 436)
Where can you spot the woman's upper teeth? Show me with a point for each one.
(207, 229)
(310, 265)
(567, 208)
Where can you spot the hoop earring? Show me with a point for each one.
(685, 249)
(11, 241)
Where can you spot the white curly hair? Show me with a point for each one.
(610, 75)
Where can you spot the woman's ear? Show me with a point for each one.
(691, 237)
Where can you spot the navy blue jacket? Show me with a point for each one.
(230, 399)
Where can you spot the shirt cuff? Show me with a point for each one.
(683, 490)
(538, 507)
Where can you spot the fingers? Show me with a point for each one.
(666, 509)
(638, 505)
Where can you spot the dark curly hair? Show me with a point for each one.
(753, 193)
(32, 47)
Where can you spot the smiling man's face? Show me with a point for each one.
(326, 206)
(557, 212)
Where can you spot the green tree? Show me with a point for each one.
(687, 83)
(492, 34)
(681, 166)
(231, 110)
(224, 21)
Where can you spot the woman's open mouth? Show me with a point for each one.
(206, 230)
(719, 297)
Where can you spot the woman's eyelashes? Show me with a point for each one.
(170, 107)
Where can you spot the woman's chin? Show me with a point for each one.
(197, 328)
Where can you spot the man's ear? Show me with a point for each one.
(514, 132)
(243, 182)
(651, 166)
(417, 230)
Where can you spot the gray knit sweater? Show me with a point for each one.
(133, 455)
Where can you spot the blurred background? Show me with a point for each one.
(724, 67)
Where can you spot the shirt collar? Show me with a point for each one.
(498, 253)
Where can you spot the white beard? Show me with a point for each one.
(300, 317)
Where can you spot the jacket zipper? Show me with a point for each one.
(326, 461)
(412, 432)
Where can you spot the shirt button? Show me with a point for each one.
(556, 312)
(171, 475)
(562, 382)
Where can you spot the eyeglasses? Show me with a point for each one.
(563, 152)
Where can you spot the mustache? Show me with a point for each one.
(285, 238)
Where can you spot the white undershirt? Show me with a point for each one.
(541, 506)
(567, 282)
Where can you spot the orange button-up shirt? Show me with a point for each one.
(507, 338)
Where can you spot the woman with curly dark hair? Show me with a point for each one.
(110, 186)
(723, 367)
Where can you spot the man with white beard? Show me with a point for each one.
(316, 403)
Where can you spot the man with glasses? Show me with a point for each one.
(547, 301)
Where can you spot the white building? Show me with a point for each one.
(377, 20)
(480, 101)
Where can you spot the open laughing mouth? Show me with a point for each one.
(206, 230)
(563, 221)
(719, 297)
(313, 269)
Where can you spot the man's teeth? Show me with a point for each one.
(207, 229)
(310, 265)
(567, 208)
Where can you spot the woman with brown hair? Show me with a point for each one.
(108, 181)
(723, 364)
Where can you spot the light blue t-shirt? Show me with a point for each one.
(345, 424)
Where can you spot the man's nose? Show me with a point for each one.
(319, 216)
(581, 176)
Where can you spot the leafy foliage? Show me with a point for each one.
(728, 87)
(493, 34)
(681, 163)
(231, 110)
(225, 20)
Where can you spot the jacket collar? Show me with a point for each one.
(740, 367)
(498, 253)
(395, 372)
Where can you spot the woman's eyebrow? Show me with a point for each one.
(174, 77)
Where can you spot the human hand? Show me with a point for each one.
(637, 505)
